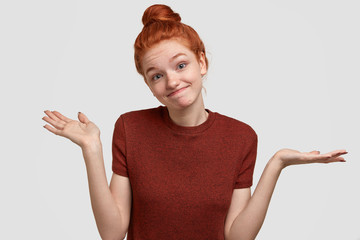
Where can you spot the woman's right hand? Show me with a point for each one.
(81, 132)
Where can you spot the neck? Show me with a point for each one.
(190, 116)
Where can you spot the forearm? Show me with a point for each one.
(106, 213)
(249, 221)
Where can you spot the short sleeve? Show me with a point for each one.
(119, 163)
(245, 175)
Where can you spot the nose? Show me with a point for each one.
(172, 80)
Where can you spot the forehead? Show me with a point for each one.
(165, 50)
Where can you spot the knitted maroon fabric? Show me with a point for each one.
(182, 178)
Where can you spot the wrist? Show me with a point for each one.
(92, 145)
(276, 163)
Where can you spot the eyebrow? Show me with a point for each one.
(177, 55)
(170, 60)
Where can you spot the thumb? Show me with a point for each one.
(315, 152)
(82, 117)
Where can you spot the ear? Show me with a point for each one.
(202, 63)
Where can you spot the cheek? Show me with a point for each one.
(194, 76)
(158, 88)
(197, 79)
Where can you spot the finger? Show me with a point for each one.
(337, 159)
(50, 114)
(315, 152)
(82, 117)
(337, 152)
(53, 116)
(51, 129)
(332, 154)
(56, 124)
(62, 117)
(318, 158)
(328, 159)
(340, 159)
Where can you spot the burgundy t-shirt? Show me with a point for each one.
(182, 178)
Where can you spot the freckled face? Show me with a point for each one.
(173, 74)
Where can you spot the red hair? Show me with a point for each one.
(162, 23)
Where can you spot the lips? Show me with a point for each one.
(177, 91)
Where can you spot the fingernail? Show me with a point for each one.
(79, 112)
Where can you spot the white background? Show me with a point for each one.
(290, 69)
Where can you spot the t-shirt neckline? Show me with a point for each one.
(186, 129)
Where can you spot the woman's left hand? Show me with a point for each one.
(289, 157)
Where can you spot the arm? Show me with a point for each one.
(249, 221)
(109, 219)
(110, 215)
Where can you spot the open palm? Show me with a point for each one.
(292, 157)
(80, 132)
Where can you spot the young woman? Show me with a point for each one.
(180, 171)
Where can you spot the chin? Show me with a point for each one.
(181, 104)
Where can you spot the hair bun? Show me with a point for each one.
(159, 12)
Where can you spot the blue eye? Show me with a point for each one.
(181, 65)
(156, 76)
